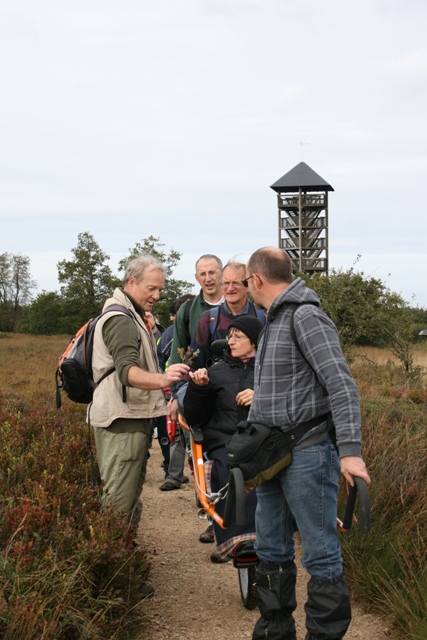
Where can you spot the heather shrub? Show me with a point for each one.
(387, 567)
(67, 570)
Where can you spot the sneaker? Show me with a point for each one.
(185, 479)
(217, 558)
(208, 535)
(168, 486)
(146, 591)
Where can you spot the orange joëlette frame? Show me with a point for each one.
(199, 472)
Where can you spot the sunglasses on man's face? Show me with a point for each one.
(245, 281)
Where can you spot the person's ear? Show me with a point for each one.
(257, 280)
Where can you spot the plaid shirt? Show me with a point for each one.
(289, 389)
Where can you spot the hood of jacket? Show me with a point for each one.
(296, 293)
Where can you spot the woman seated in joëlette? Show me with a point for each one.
(216, 400)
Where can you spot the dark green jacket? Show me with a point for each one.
(184, 332)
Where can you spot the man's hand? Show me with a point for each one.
(353, 466)
(175, 373)
(200, 377)
(172, 408)
(244, 398)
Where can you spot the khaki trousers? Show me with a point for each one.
(122, 461)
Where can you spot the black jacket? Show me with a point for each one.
(213, 407)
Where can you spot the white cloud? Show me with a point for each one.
(409, 68)
(288, 95)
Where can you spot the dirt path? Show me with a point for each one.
(194, 598)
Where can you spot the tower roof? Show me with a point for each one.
(301, 176)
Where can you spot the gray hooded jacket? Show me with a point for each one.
(288, 390)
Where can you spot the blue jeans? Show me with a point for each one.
(302, 497)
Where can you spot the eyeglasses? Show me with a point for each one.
(233, 283)
(237, 337)
(245, 281)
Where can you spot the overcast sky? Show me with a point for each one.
(132, 118)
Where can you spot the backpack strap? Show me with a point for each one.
(215, 313)
(260, 314)
(293, 332)
(89, 349)
(187, 309)
(330, 424)
(296, 342)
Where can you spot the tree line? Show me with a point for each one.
(86, 281)
(364, 310)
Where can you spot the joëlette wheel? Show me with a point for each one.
(247, 583)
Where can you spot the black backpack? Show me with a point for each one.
(74, 374)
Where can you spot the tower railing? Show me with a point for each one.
(307, 200)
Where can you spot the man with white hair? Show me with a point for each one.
(125, 401)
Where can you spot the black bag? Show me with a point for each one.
(74, 374)
(260, 451)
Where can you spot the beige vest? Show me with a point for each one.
(108, 402)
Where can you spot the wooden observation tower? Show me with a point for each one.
(302, 199)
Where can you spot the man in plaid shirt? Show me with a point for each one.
(302, 381)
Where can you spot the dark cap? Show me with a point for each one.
(249, 325)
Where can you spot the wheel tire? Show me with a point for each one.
(247, 584)
(198, 503)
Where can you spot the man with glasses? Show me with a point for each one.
(213, 325)
(208, 275)
(302, 380)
